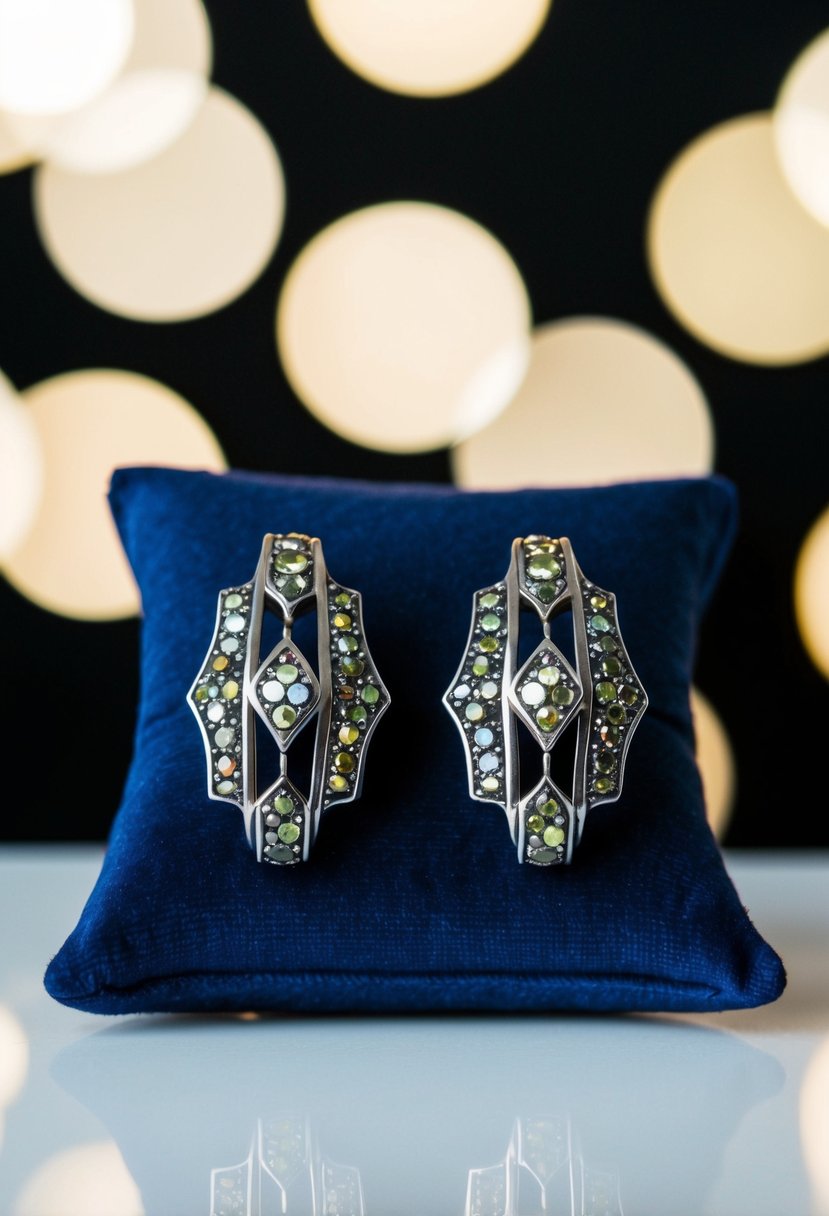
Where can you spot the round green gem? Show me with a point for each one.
(553, 835)
(233, 600)
(616, 714)
(201, 693)
(474, 711)
(549, 676)
(548, 807)
(604, 785)
(283, 717)
(600, 623)
(341, 620)
(488, 645)
(288, 833)
(293, 586)
(352, 666)
(611, 666)
(605, 762)
(628, 694)
(347, 644)
(490, 600)
(348, 735)
(608, 644)
(344, 762)
(598, 601)
(480, 666)
(370, 694)
(535, 824)
(283, 804)
(342, 599)
(609, 735)
(289, 561)
(357, 714)
(338, 784)
(543, 566)
(547, 718)
(490, 622)
(546, 592)
(286, 673)
(562, 695)
(605, 692)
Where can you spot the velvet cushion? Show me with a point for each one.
(413, 898)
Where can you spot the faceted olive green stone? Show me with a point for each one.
(344, 762)
(288, 833)
(283, 804)
(283, 717)
(357, 714)
(628, 694)
(289, 561)
(490, 622)
(490, 600)
(348, 735)
(233, 601)
(286, 673)
(535, 824)
(608, 644)
(553, 835)
(279, 852)
(548, 807)
(540, 544)
(474, 711)
(604, 785)
(488, 645)
(347, 644)
(605, 762)
(605, 692)
(480, 666)
(341, 620)
(546, 592)
(547, 718)
(549, 676)
(611, 666)
(352, 666)
(598, 601)
(490, 784)
(293, 586)
(230, 690)
(201, 693)
(562, 695)
(370, 694)
(609, 735)
(544, 857)
(338, 784)
(542, 567)
(616, 714)
(600, 623)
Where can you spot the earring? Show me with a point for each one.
(602, 694)
(346, 697)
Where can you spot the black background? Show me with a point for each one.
(559, 158)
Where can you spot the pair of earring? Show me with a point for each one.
(488, 699)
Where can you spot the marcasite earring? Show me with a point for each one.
(602, 693)
(346, 697)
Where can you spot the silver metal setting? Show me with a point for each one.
(236, 686)
(601, 698)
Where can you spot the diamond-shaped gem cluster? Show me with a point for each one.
(285, 822)
(359, 696)
(618, 696)
(287, 691)
(217, 694)
(547, 814)
(543, 573)
(546, 693)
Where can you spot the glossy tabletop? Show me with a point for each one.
(703, 1115)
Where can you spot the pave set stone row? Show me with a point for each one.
(543, 578)
(548, 820)
(475, 698)
(618, 696)
(359, 696)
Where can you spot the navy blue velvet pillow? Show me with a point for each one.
(413, 898)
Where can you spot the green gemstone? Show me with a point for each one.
(549, 676)
(488, 645)
(562, 695)
(283, 804)
(233, 601)
(279, 852)
(605, 692)
(598, 601)
(546, 592)
(286, 673)
(540, 545)
(370, 694)
(288, 833)
(605, 762)
(352, 666)
(535, 824)
(543, 566)
(611, 666)
(548, 807)
(490, 600)
(348, 735)
(357, 714)
(342, 599)
(338, 784)
(344, 762)
(616, 714)
(600, 623)
(609, 735)
(341, 620)
(604, 785)
(347, 644)
(553, 835)
(283, 717)
(289, 561)
(480, 666)
(544, 857)
(608, 644)
(201, 693)
(490, 622)
(628, 694)
(547, 718)
(230, 690)
(293, 586)
(474, 711)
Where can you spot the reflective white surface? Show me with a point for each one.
(708, 1115)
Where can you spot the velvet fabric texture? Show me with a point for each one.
(413, 899)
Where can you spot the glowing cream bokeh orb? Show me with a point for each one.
(715, 760)
(56, 55)
(14, 1057)
(811, 592)
(602, 401)
(429, 48)
(21, 469)
(814, 1127)
(89, 422)
(15, 152)
(801, 127)
(404, 326)
(177, 236)
(734, 255)
(88, 1180)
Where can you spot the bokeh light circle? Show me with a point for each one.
(87, 1180)
(602, 401)
(814, 1126)
(15, 152)
(733, 254)
(14, 1057)
(404, 326)
(21, 469)
(715, 760)
(801, 127)
(429, 48)
(89, 422)
(177, 236)
(811, 592)
(55, 55)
